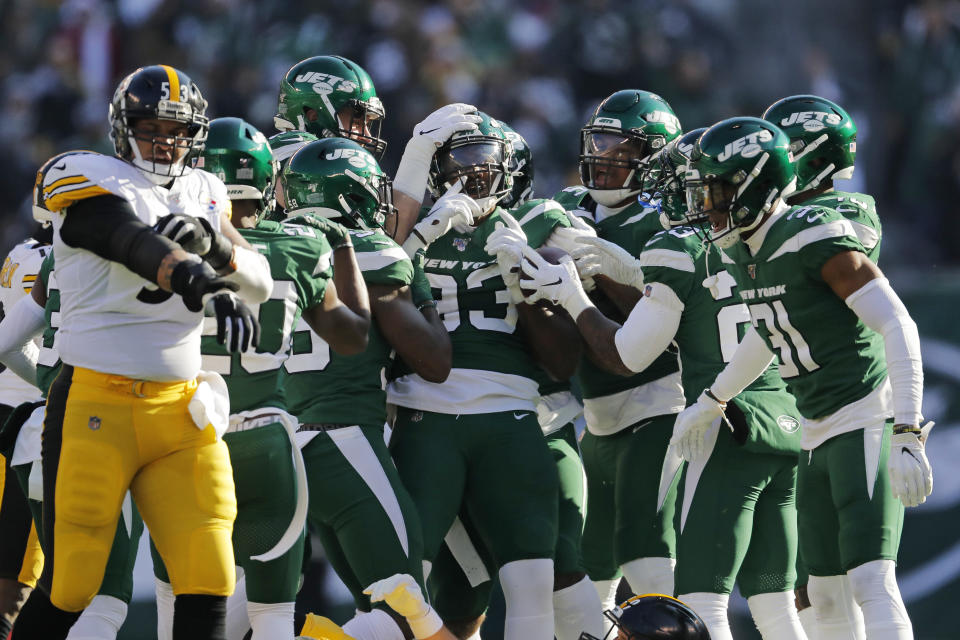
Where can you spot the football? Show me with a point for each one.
(553, 255)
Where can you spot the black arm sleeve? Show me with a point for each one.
(108, 227)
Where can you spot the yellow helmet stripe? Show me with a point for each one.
(174, 79)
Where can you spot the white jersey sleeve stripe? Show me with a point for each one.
(835, 229)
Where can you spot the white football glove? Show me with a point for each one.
(428, 136)
(401, 592)
(454, 210)
(558, 283)
(911, 477)
(602, 257)
(690, 429)
(506, 243)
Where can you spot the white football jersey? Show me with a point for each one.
(17, 277)
(112, 320)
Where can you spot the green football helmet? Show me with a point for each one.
(237, 153)
(621, 136)
(520, 166)
(337, 178)
(823, 138)
(740, 168)
(479, 159)
(668, 172)
(343, 97)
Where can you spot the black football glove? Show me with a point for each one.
(196, 282)
(198, 236)
(237, 326)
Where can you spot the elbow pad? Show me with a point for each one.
(879, 307)
(251, 275)
(750, 360)
(108, 227)
(650, 328)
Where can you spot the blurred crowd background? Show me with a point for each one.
(540, 65)
(543, 66)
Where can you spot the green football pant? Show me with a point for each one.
(623, 476)
(496, 466)
(847, 513)
(118, 576)
(738, 522)
(361, 511)
(266, 487)
(463, 572)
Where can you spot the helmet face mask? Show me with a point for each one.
(331, 96)
(337, 178)
(668, 176)
(478, 162)
(158, 122)
(651, 617)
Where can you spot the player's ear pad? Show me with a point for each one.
(738, 421)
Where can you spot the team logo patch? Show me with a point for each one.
(94, 423)
(788, 424)
(417, 416)
(752, 271)
(648, 291)
(460, 243)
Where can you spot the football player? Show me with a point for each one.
(130, 408)
(849, 353)
(365, 518)
(738, 516)
(459, 584)
(823, 140)
(474, 441)
(267, 467)
(629, 416)
(20, 555)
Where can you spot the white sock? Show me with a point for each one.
(238, 622)
(712, 609)
(528, 591)
(376, 625)
(808, 618)
(101, 620)
(607, 591)
(838, 614)
(875, 589)
(650, 575)
(577, 609)
(775, 615)
(165, 599)
(271, 621)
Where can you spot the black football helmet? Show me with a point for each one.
(653, 617)
(158, 92)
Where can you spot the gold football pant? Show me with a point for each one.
(104, 434)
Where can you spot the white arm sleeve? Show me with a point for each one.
(251, 274)
(650, 327)
(750, 360)
(880, 308)
(21, 325)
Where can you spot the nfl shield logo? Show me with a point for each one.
(94, 423)
(417, 416)
(460, 243)
(752, 271)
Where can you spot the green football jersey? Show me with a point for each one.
(48, 361)
(323, 386)
(827, 356)
(300, 263)
(711, 329)
(861, 210)
(629, 228)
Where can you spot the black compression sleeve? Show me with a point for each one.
(108, 227)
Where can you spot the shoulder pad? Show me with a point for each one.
(676, 248)
(532, 209)
(76, 176)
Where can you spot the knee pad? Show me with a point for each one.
(650, 575)
(873, 581)
(271, 621)
(712, 609)
(775, 615)
(838, 615)
(101, 620)
(577, 609)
